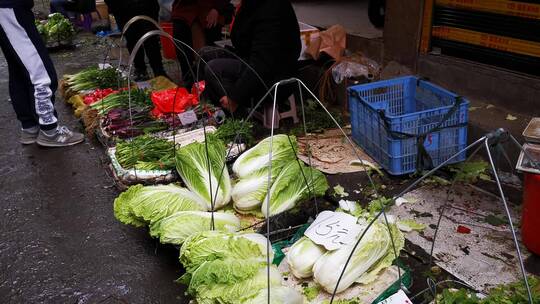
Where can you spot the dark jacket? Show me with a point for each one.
(266, 34)
(132, 7)
(191, 10)
(16, 3)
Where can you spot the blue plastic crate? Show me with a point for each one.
(411, 106)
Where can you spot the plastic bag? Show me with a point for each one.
(349, 69)
(165, 9)
(176, 100)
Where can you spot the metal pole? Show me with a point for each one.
(503, 198)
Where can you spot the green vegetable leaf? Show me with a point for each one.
(410, 225)
(203, 170)
(258, 157)
(295, 183)
(176, 228)
(340, 191)
(372, 248)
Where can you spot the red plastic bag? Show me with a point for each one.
(176, 100)
(97, 95)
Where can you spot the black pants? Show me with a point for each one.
(182, 32)
(32, 77)
(220, 73)
(151, 47)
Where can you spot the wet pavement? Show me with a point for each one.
(59, 241)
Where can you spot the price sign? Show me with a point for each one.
(333, 230)
(187, 117)
(398, 298)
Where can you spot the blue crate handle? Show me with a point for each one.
(423, 159)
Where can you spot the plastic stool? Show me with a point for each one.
(266, 116)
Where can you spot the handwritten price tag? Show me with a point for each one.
(187, 117)
(398, 298)
(333, 230)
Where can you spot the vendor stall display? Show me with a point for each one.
(56, 31)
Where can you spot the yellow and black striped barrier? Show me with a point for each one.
(502, 43)
(505, 7)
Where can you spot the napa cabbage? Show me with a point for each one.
(302, 256)
(249, 192)
(278, 295)
(386, 261)
(206, 176)
(216, 288)
(217, 245)
(371, 249)
(284, 149)
(295, 182)
(176, 228)
(141, 205)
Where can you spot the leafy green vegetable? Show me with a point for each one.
(385, 262)
(231, 127)
(278, 295)
(471, 172)
(176, 228)
(340, 191)
(245, 291)
(217, 245)
(249, 192)
(145, 153)
(372, 248)
(311, 292)
(503, 294)
(56, 28)
(122, 211)
(376, 205)
(410, 225)
(296, 182)
(514, 293)
(341, 301)
(258, 157)
(203, 170)
(144, 205)
(302, 256)
(495, 220)
(454, 296)
(317, 120)
(224, 267)
(94, 78)
(140, 100)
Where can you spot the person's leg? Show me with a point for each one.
(133, 34)
(29, 55)
(58, 6)
(182, 32)
(220, 76)
(33, 59)
(20, 87)
(152, 46)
